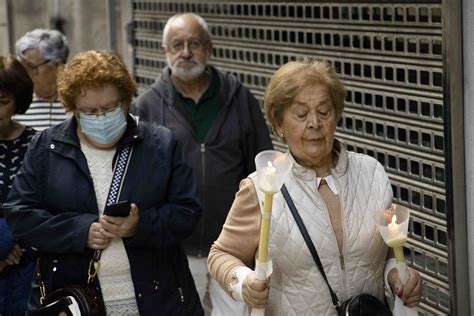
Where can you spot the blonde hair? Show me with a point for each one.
(288, 81)
(93, 69)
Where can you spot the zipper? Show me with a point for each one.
(342, 272)
(203, 182)
(342, 264)
(341, 261)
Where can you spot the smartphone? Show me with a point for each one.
(121, 209)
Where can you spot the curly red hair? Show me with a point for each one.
(93, 69)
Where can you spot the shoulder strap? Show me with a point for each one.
(120, 169)
(309, 243)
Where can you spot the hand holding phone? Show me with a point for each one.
(121, 209)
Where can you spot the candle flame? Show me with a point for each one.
(270, 167)
(394, 221)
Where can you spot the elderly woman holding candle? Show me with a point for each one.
(336, 193)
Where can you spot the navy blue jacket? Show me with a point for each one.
(14, 280)
(52, 204)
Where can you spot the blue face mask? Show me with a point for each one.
(103, 129)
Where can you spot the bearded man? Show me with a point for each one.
(221, 128)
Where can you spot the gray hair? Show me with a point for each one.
(199, 19)
(51, 44)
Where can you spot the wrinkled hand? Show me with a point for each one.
(411, 292)
(13, 257)
(115, 226)
(255, 291)
(96, 238)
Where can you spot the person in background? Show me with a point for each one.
(58, 198)
(336, 193)
(221, 127)
(43, 53)
(16, 263)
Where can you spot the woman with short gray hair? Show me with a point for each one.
(52, 44)
(43, 52)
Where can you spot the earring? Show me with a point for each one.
(282, 135)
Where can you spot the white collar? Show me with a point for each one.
(330, 181)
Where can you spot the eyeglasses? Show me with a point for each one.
(101, 113)
(33, 69)
(193, 45)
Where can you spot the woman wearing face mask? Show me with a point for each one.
(57, 202)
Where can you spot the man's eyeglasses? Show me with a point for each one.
(193, 45)
(33, 69)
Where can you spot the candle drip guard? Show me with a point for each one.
(393, 226)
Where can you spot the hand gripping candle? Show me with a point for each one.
(272, 169)
(393, 226)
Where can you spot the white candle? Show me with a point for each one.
(269, 187)
(393, 226)
(396, 237)
(268, 182)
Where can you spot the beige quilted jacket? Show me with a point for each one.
(297, 287)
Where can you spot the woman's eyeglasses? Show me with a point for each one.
(101, 113)
(33, 69)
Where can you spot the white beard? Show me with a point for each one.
(186, 74)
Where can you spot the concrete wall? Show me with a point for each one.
(85, 21)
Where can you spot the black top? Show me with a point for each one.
(11, 157)
(203, 113)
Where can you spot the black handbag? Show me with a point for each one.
(364, 304)
(84, 299)
(359, 305)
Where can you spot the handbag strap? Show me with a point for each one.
(309, 243)
(120, 169)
